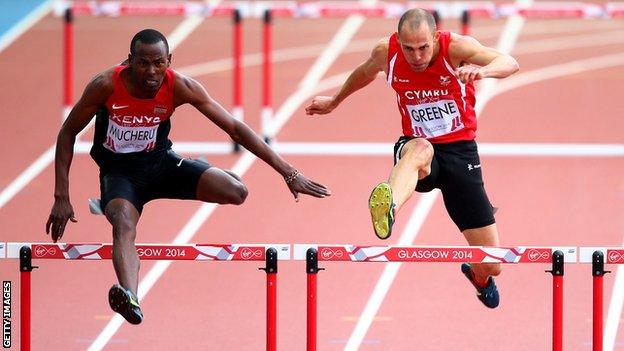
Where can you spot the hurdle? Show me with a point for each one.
(313, 253)
(598, 257)
(269, 253)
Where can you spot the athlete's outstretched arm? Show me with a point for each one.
(94, 95)
(363, 75)
(189, 91)
(483, 61)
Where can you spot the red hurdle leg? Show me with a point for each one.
(557, 272)
(68, 80)
(598, 272)
(465, 22)
(312, 270)
(25, 269)
(271, 302)
(237, 94)
(267, 88)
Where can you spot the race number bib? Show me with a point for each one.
(434, 119)
(126, 139)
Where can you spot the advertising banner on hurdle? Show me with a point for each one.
(191, 252)
(612, 255)
(468, 254)
(2, 250)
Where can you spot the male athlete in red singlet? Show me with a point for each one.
(134, 103)
(432, 73)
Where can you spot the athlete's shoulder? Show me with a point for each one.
(382, 46)
(182, 82)
(380, 53)
(101, 86)
(460, 42)
(186, 89)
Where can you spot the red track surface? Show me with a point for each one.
(544, 201)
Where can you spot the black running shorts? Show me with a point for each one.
(456, 171)
(165, 176)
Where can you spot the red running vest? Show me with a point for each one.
(133, 124)
(434, 104)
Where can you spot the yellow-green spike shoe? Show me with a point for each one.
(381, 208)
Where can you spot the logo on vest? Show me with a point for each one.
(445, 80)
(399, 80)
(160, 110)
(424, 94)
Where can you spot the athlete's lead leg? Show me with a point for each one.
(415, 164)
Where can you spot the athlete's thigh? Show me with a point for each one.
(116, 185)
(428, 183)
(220, 186)
(462, 187)
(177, 178)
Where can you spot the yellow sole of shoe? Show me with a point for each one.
(379, 204)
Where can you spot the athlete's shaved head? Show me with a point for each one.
(414, 18)
(148, 36)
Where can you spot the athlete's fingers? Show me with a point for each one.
(321, 190)
(317, 190)
(49, 224)
(321, 186)
(296, 195)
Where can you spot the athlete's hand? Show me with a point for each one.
(321, 105)
(62, 211)
(469, 73)
(301, 184)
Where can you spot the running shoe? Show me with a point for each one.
(488, 295)
(125, 303)
(381, 209)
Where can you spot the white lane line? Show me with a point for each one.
(328, 56)
(508, 38)
(318, 69)
(183, 30)
(563, 69)
(485, 149)
(25, 24)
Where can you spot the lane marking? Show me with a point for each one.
(385, 149)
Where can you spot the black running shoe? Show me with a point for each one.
(488, 295)
(125, 303)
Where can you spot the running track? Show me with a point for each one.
(543, 200)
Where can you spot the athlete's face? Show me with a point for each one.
(149, 64)
(418, 45)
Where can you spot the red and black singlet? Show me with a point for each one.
(434, 104)
(129, 128)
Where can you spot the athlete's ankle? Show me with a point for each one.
(481, 283)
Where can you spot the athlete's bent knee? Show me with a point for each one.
(420, 154)
(122, 221)
(238, 194)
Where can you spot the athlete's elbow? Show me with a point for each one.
(513, 66)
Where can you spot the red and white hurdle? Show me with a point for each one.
(269, 253)
(315, 253)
